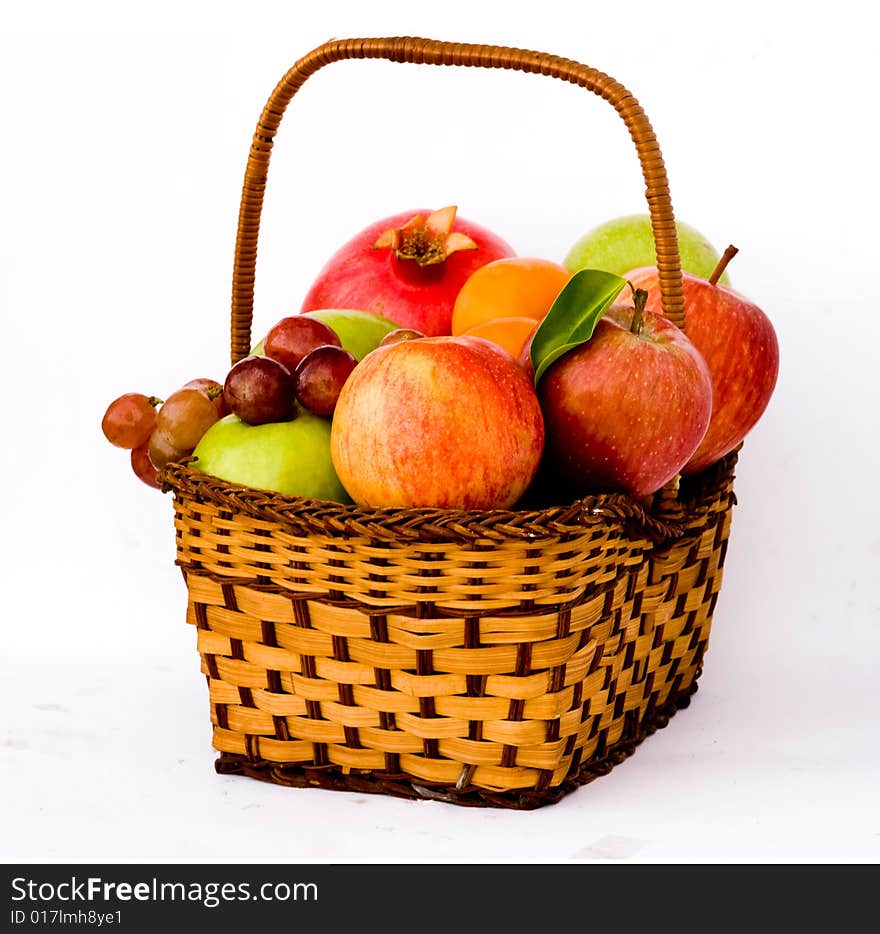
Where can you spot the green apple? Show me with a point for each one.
(359, 331)
(626, 243)
(284, 457)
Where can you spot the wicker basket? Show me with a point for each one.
(496, 658)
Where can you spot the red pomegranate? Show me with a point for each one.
(408, 268)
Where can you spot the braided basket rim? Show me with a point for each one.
(309, 516)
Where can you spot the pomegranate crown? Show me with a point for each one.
(426, 240)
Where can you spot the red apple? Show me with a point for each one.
(739, 345)
(450, 422)
(626, 410)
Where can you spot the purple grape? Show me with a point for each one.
(292, 338)
(320, 376)
(260, 390)
(400, 334)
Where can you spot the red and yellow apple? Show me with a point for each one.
(625, 411)
(449, 422)
(739, 345)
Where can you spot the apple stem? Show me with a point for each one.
(154, 401)
(640, 296)
(726, 257)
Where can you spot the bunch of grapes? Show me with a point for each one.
(304, 365)
(313, 356)
(158, 432)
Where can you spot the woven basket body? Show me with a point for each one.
(486, 658)
(494, 658)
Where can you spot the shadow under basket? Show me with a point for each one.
(495, 659)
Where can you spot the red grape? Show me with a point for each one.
(213, 390)
(185, 416)
(292, 338)
(162, 451)
(143, 466)
(400, 334)
(320, 377)
(129, 420)
(260, 390)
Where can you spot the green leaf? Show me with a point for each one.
(573, 316)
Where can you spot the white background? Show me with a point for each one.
(124, 134)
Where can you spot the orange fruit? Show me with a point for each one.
(513, 287)
(509, 333)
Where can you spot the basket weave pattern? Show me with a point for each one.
(464, 668)
(485, 658)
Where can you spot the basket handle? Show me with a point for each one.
(431, 52)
